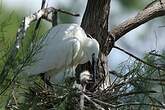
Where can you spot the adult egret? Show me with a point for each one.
(65, 46)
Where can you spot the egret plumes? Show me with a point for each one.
(65, 46)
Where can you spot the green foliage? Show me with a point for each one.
(139, 87)
(15, 91)
(136, 87)
(10, 65)
(144, 88)
(32, 93)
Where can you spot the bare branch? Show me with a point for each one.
(52, 10)
(39, 20)
(150, 12)
(149, 64)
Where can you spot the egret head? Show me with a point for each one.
(92, 48)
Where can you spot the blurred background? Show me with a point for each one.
(146, 38)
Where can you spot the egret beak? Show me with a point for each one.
(94, 67)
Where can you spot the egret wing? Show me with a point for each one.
(60, 49)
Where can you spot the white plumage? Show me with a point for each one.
(65, 46)
(85, 76)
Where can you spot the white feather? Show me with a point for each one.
(65, 46)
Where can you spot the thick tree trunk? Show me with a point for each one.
(95, 23)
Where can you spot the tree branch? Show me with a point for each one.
(150, 12)
(144, 62)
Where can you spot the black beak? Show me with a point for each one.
(94, 67)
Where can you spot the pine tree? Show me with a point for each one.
(137, 84)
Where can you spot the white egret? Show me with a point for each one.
(65, 46)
